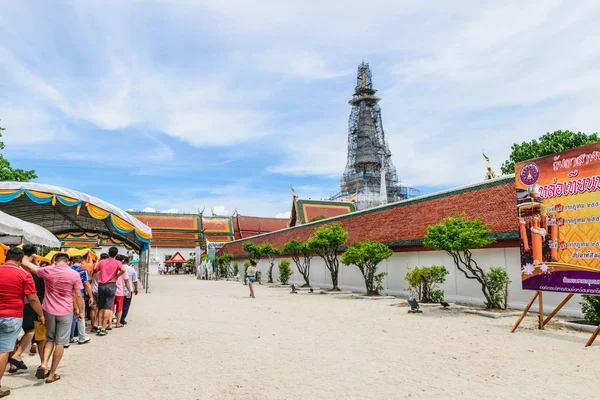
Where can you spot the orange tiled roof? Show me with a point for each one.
(164, 221)
(304, 210)
(245, 226)
(172, 230)
(403, 224)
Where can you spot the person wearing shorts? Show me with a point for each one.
(133, 281)
(94, 314)
(15, 285)
(29, 317)
(108, 271)
(251, 273)
(122, 284)
(62, 286)
(79, 324)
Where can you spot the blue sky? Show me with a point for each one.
(181, 105)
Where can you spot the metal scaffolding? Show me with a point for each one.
(368, 152)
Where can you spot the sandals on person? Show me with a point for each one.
(19, 364)
(55, 378)
(4, 393)
(119, 326)
(40, 373)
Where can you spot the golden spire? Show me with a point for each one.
(364, 78)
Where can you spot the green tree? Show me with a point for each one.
(590, 306)
(497, 280)
(254, 251)
(223, 265)
(366, 255)
(457, 235)
(424, 282)
(319, 218)
(297, 250)
(236, 268)
(285, 271)
(271, 252)
(326, 242)
(8, 173)
(550, 143)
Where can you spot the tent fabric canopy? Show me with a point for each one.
(28, 232)
(72, 253)
(63, 210)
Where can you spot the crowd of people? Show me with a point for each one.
(51, 302)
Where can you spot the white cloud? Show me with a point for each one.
(482, 80)
(454, 79)
(220, 210)
(315, 148)
(28, 123)
(246, 200)
(171, 211)
(286, 214)
(149, 209)
(307, 64)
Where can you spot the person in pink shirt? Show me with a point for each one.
(63, 289)
(122, 282)
(108, 271)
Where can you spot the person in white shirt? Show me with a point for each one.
(133, 280)
(251, 273)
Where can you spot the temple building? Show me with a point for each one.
(370, 177)
(179, 236)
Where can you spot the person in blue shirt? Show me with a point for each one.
(86, 291)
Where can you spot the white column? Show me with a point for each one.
(383, 186)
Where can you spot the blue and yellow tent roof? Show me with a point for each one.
(63, 211)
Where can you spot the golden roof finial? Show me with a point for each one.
(489, 172)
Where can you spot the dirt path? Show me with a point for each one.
(191, 339)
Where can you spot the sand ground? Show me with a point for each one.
(191, 339)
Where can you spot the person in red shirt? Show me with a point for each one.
(62, 296)
(108, 271)
(15, 285)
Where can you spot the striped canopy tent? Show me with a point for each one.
(64, 211)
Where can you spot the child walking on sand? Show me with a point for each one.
(251, 277)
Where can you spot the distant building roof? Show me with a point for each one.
(177, 258)
(173, 230)
(305, 210)
(245, 226)
(191, 230)
(217, 228)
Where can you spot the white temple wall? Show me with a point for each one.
(457, 288)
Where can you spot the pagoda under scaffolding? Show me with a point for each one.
(370, 177)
